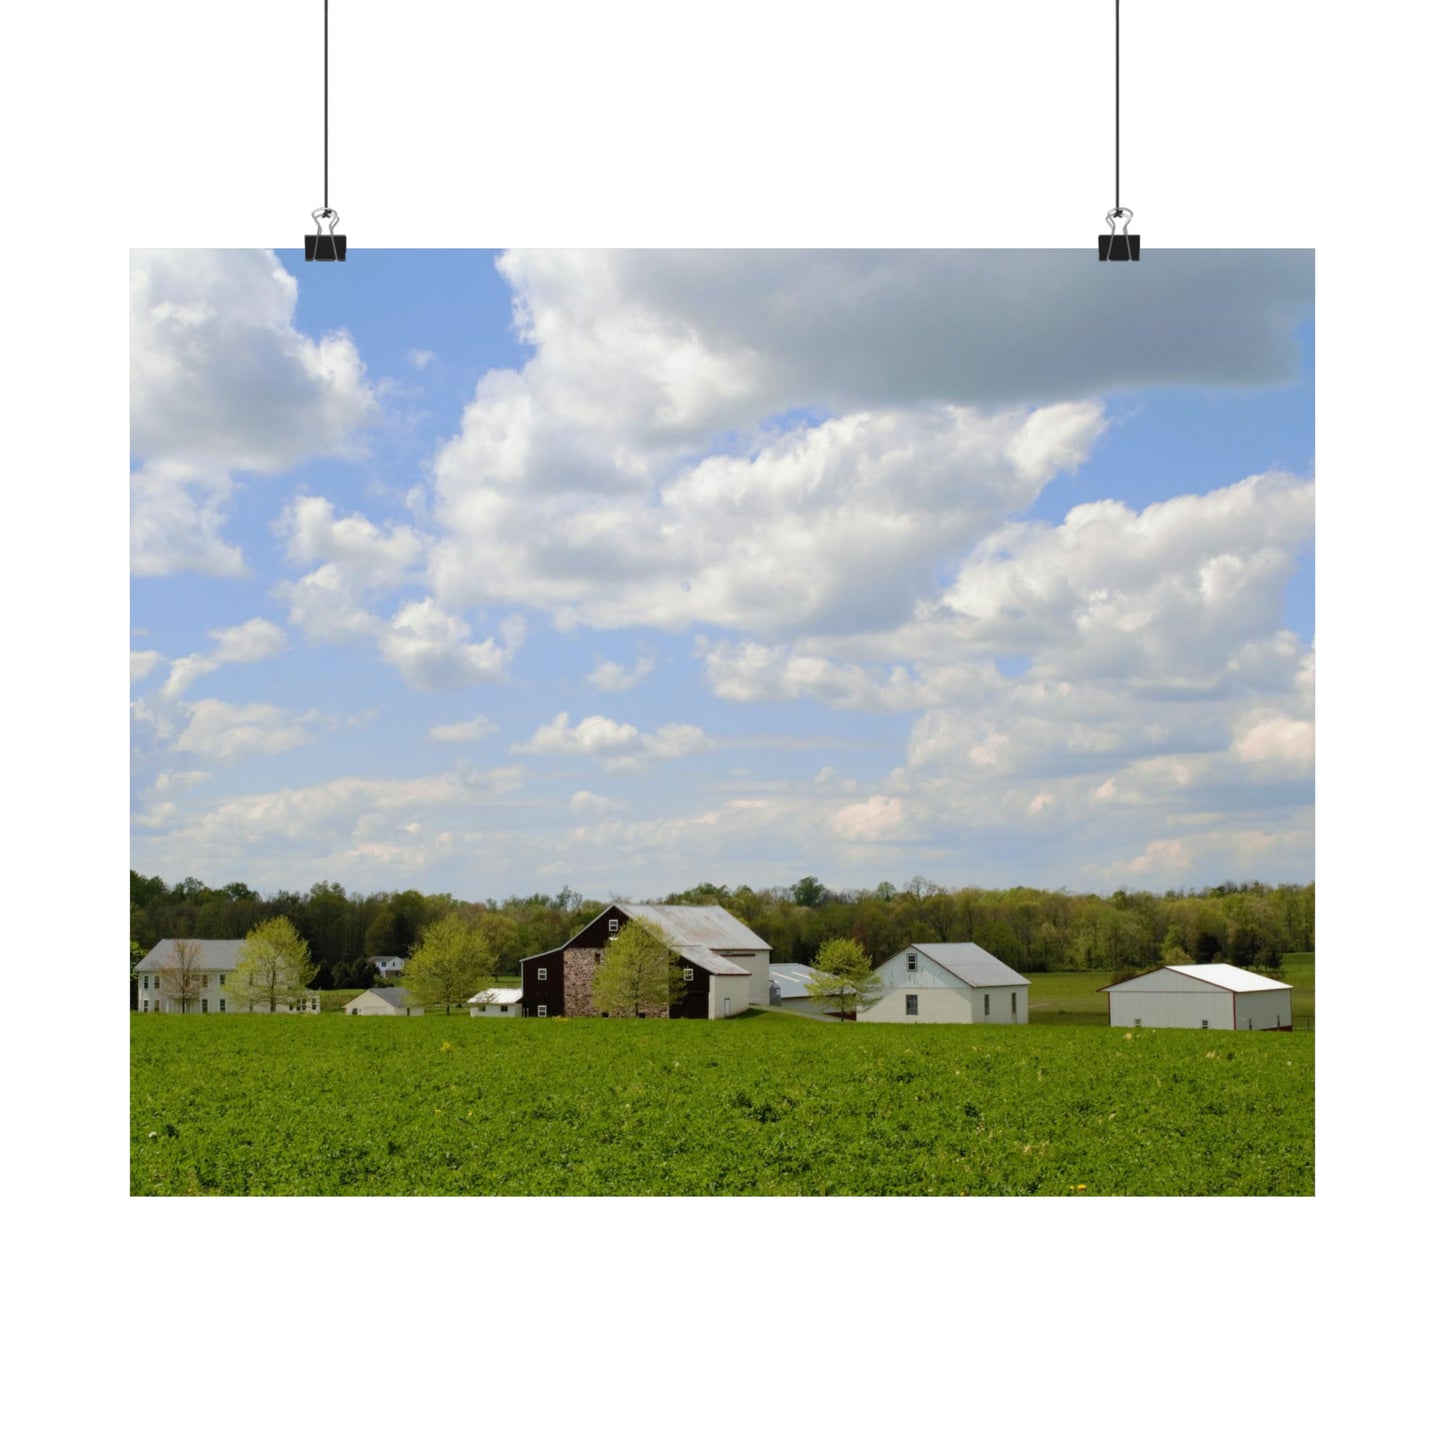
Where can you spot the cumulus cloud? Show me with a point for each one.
(224, 732)
(470, 731)
(432, 648)
(596, 803)
(142, 664)
(612, 676)
(223, 383)
(252, 641)
(877, 819)
(619, 745)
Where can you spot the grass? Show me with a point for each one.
(330, 1104)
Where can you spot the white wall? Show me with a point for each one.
(758, 984)
(1000, 1004)
(939, 1005)
(736, 989)
(497, 1010)
(365, 1006)
(943, 998)
(1173, 1007)
(1268, 1008)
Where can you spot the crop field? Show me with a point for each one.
(765, 1104)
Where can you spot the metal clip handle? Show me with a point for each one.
(330, 217)
(1119, 212)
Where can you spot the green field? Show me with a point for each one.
(1074, 998)
(765, 1104)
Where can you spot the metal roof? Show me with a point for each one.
(397, 997)
(705, 958)
(217, 954)
(497, 995)
(974, 965)
(791, 978)
(1221, 975)
(706, 925)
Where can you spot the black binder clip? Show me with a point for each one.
(1122, 247)
(328, 247)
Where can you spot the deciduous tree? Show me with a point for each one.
(454, 960)
(843, 978)
(180, 974)
(635, 978)
(274, 967)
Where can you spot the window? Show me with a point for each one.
(910, 1003)
(205, 1005)
(687, 975)
(145, 1005)
(541, 975)
(353, 1011)
(223, 1004)
(1204, 1024)
(541, 1010)
(145, 980)
(1138, 1023)
(913, 963)
(986, 1002)
(612, 925)
(501, 1008)
(1013, 1001)
(205, 980)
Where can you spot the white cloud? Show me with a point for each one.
(1277, 739)
(619, 745)
(615, 677)
(224, 732)
(254, 641)
(420, 359)
(462, 732)
(432, 648)
(596, 803)
(878, 819)
(143, 663)
(223, 383)
(372, 557)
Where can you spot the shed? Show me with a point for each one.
(1200, 996)
(384, 1003)
(789, 987)
(493, 1003)
(948, 983)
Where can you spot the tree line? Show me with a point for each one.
(1033, 930)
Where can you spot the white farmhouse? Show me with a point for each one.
(1200, 996)
(497, 1003)
(948, 983)
(388, 966)
(384, 1003)
(156, 980)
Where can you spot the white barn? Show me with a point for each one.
(494, 1003)
(384, 1003)
(1200, 996)
(948, 983)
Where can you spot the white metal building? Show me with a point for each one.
(497, 1003)
(1200, 996)
(948, 983)
(789, 989)
(384, 1003)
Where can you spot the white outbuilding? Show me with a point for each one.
(1200, 996)
(384, 1003)
(497, 1003)
(788, 988)
(948, 983)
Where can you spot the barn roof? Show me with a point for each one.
(705, 958)
(791, 978)
(975, 966)
(706, 925)
(497, 995)
(1217, 975)
(217, 954)
(397, 997)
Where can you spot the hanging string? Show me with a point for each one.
(326, 102)
(1116, 104)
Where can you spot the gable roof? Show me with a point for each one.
(967, 961)
(1217, 975)
(705, 958)
(397, 997)
(706, 925)
(218, 955)
(497, 995)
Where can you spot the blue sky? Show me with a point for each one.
(622, 570)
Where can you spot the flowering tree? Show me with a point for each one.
(180, 974)
(635, 978)
(843, 978)
(274, 967)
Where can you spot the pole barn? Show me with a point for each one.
(1200, 996)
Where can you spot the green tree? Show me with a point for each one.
(274, 967)
(635, 978)
(454, 960)
(843, 979)
(808, 892)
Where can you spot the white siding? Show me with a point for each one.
(497, 1011)
(935, 1006)
(943, 998)
(757, 985)
(730, 989)
(1268, 1009)
(1000, 1007)
(1173, 1008)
